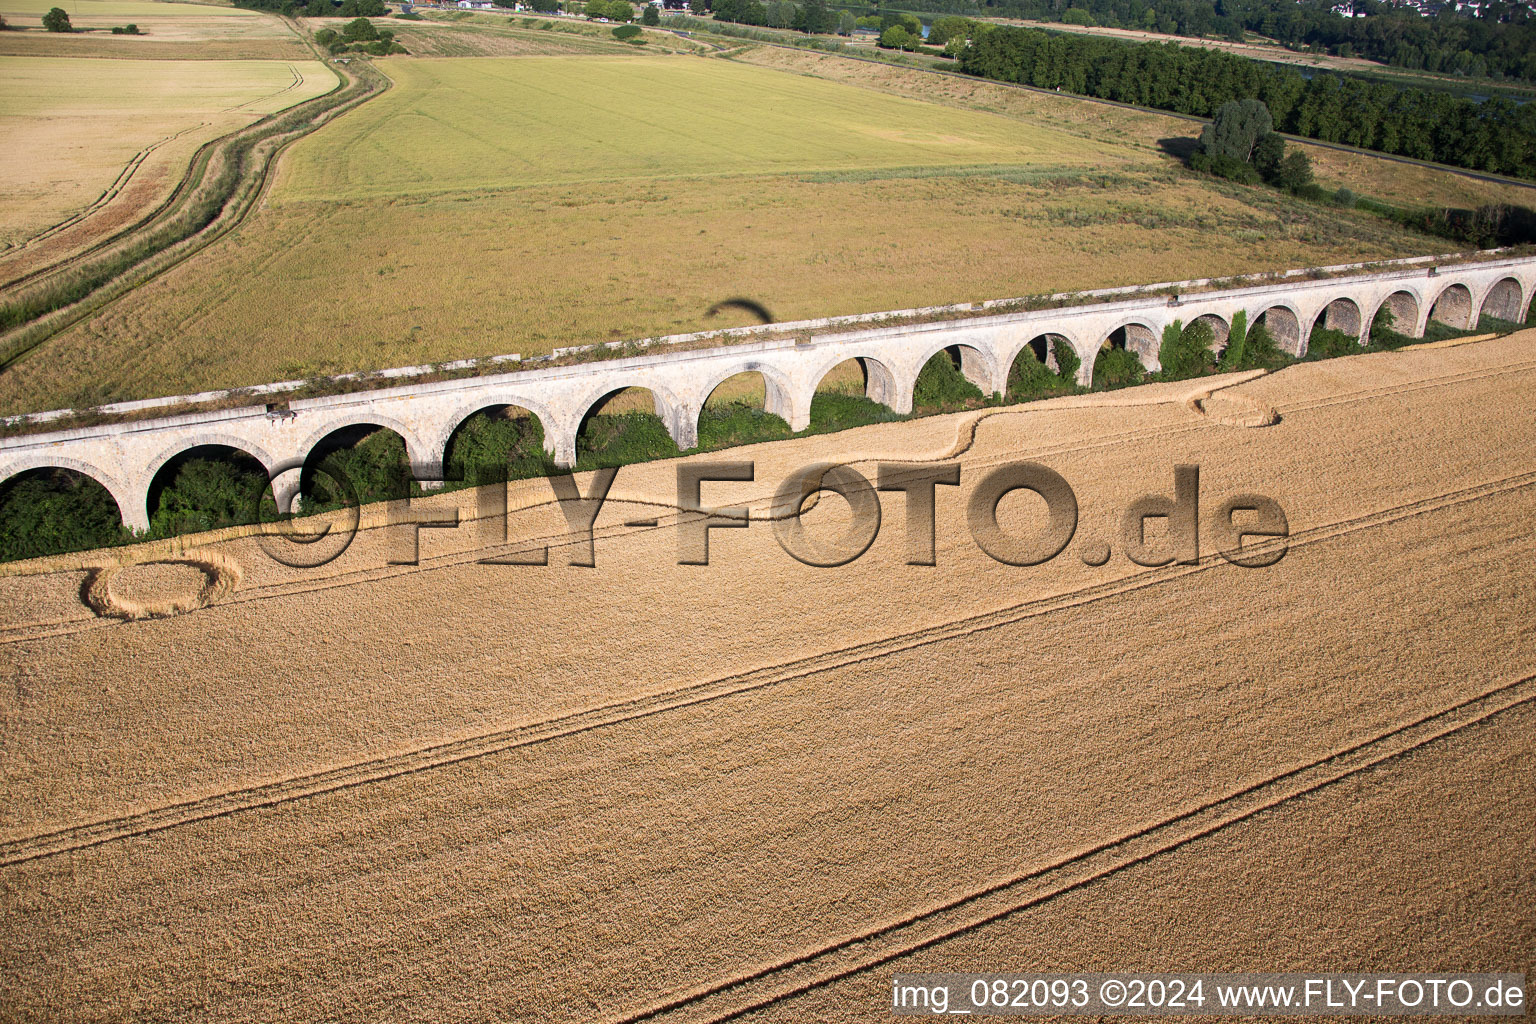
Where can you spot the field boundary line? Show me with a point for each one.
(883, 943)
(350, 776)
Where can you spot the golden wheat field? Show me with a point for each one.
(754, 790)
(85, 142)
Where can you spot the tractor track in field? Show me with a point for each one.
(296, 788)
(773, 983)
(111, 192)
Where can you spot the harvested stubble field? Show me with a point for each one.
(87, 146)
(174, 31)
(468, 34)
(453, 791)
(518, 205)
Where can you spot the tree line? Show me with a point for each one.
(319, 8)
(1498, 40)
(1496, 135)
(812, 16)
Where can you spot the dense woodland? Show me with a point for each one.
(1500, 41)
(1497, 135)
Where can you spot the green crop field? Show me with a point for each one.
(502, 205)
(469, 126)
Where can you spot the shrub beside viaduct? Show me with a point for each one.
(125, 457)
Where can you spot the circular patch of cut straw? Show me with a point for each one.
(104, 589)
(1232, 410)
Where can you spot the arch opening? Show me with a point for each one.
(53, 510)
(1124, 356)
(208, 487)
(1396, 318)
(624, 426)
(1337, 329)
(1281, 324)
(953, 377)
(363, 461)
(1220, 330)
(1047, 365)
(1502, 303)
(1453, 308)
(852, 393)
(494, 440)
(743, 408)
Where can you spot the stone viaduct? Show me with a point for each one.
(125, 457)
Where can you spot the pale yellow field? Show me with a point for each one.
(181, 31)
(310, 288)
(95, 13)
(754, 789)
(104, 137)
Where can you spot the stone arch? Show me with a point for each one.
(1221, 330)
(1284, 325)
(778, 392)
(130, 512)
(207, 440)
(1342, 314)
(1504, 301)
(1020, 379)
(976, 365)
(880, 381)
(1136, 337)
(532, 442)
(120, 491)
(1043, 348)
(491, 399)
(1453, 307)
(340, 436)
(746, 388)
(426, 457)
(163, 470)
(674, 414)
(1403, 305)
